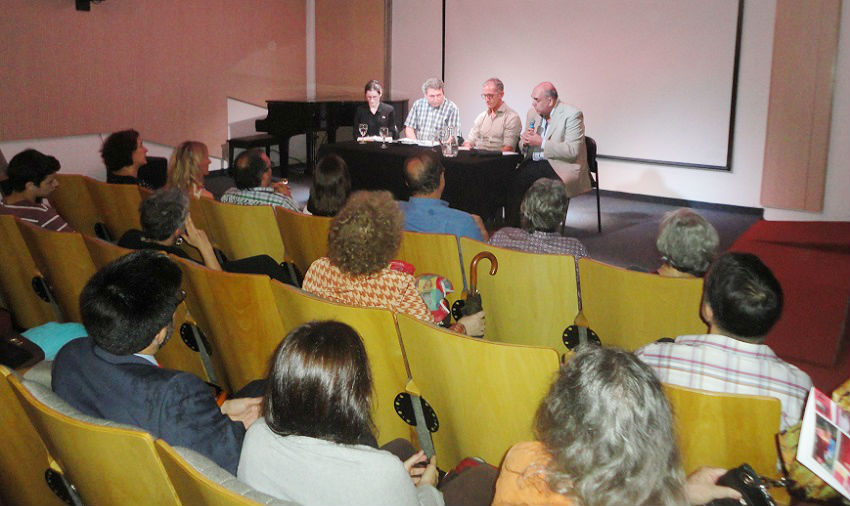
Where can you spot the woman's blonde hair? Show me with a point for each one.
(183, 168)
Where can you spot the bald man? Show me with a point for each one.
(426, 211)
(553, 141)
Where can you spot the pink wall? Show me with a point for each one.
(163, 67)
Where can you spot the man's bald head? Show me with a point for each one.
(423, 173)
(543, 98)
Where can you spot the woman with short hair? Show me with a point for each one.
(375, 113)
(331, 187)
(123, 154)
(317, 410)
(687, 243)
(605, 436)
(189, 164)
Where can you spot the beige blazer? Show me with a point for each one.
(564, 147)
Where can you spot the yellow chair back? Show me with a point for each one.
(725, 430)
(305, 237)
(103, 252)
(74, 203)
(16, 278)
(192, 486)
(117, 205)
(531, 299)
(107, 465)
(630, 309)
(485, 394)
(243, 231)
(378, 331)
(434, 254)
(65, 262)
(23, 457)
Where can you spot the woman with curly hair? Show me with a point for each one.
(189, 163)
(605, 433)
(687, 242)
(364, 237)
(123, 154)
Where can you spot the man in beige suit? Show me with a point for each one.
(554, 147)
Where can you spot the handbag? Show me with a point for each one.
(16, 351)
(753, 488)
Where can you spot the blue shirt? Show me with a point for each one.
(436, 217)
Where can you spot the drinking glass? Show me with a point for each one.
(363, 128)
(385, 133)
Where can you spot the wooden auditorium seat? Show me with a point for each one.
(377, 329)
(304, 236)
(74, 203)
(24, 288)
(434, 254)
(117, 205)
(23, 456)
(108, 463)
(630, 309)
(65, 262)
(485, 394)
(531, 299)
(725, 430)
(201, 482)
(243, 231)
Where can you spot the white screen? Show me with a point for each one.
(653, 77)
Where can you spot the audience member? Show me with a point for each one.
(542, 214)
(605, 435)
(32, 178)
(374, 113)
(127, 308)
(687, 244)
(555, 148)
(252, 173)
(425, 211)
(431, 113)
(741, 302)
(308, 446)
(166, 224)
(123, 153)
(189, 164)
(499, 126)
(331, 187)
(363, 238)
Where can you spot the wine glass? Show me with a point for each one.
(385, 133)
(362, 128)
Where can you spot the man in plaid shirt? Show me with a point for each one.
(431, 113)
(252, 172)
(741, 302)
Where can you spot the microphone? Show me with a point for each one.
(531, 125)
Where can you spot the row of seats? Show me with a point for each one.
(97, 462)
(484, 393)
(532, 298)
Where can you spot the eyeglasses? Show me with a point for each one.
(488, 96)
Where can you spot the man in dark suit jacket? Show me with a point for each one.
(127, 309)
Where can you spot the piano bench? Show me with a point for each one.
(251, 141)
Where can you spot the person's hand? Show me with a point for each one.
(193, 235)
(243, 409)
(702, 487)
(474, 324)
(430, 475)
(480, 223)
(467, 144)
(282, 187)
(531, 138)
(412, 469)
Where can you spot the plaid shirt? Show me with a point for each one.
(723, 364)
(426, 120)
(259, 196)
(387, 288)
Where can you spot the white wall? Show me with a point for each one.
(417, 26)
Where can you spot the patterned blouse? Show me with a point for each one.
(386, 288)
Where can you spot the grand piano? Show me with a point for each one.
(293, 117)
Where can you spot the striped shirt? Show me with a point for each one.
(259, 196)
(427, 120)
(387, 288)
(723, 364)
(41, 214)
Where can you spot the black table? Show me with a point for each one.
(474, 183)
